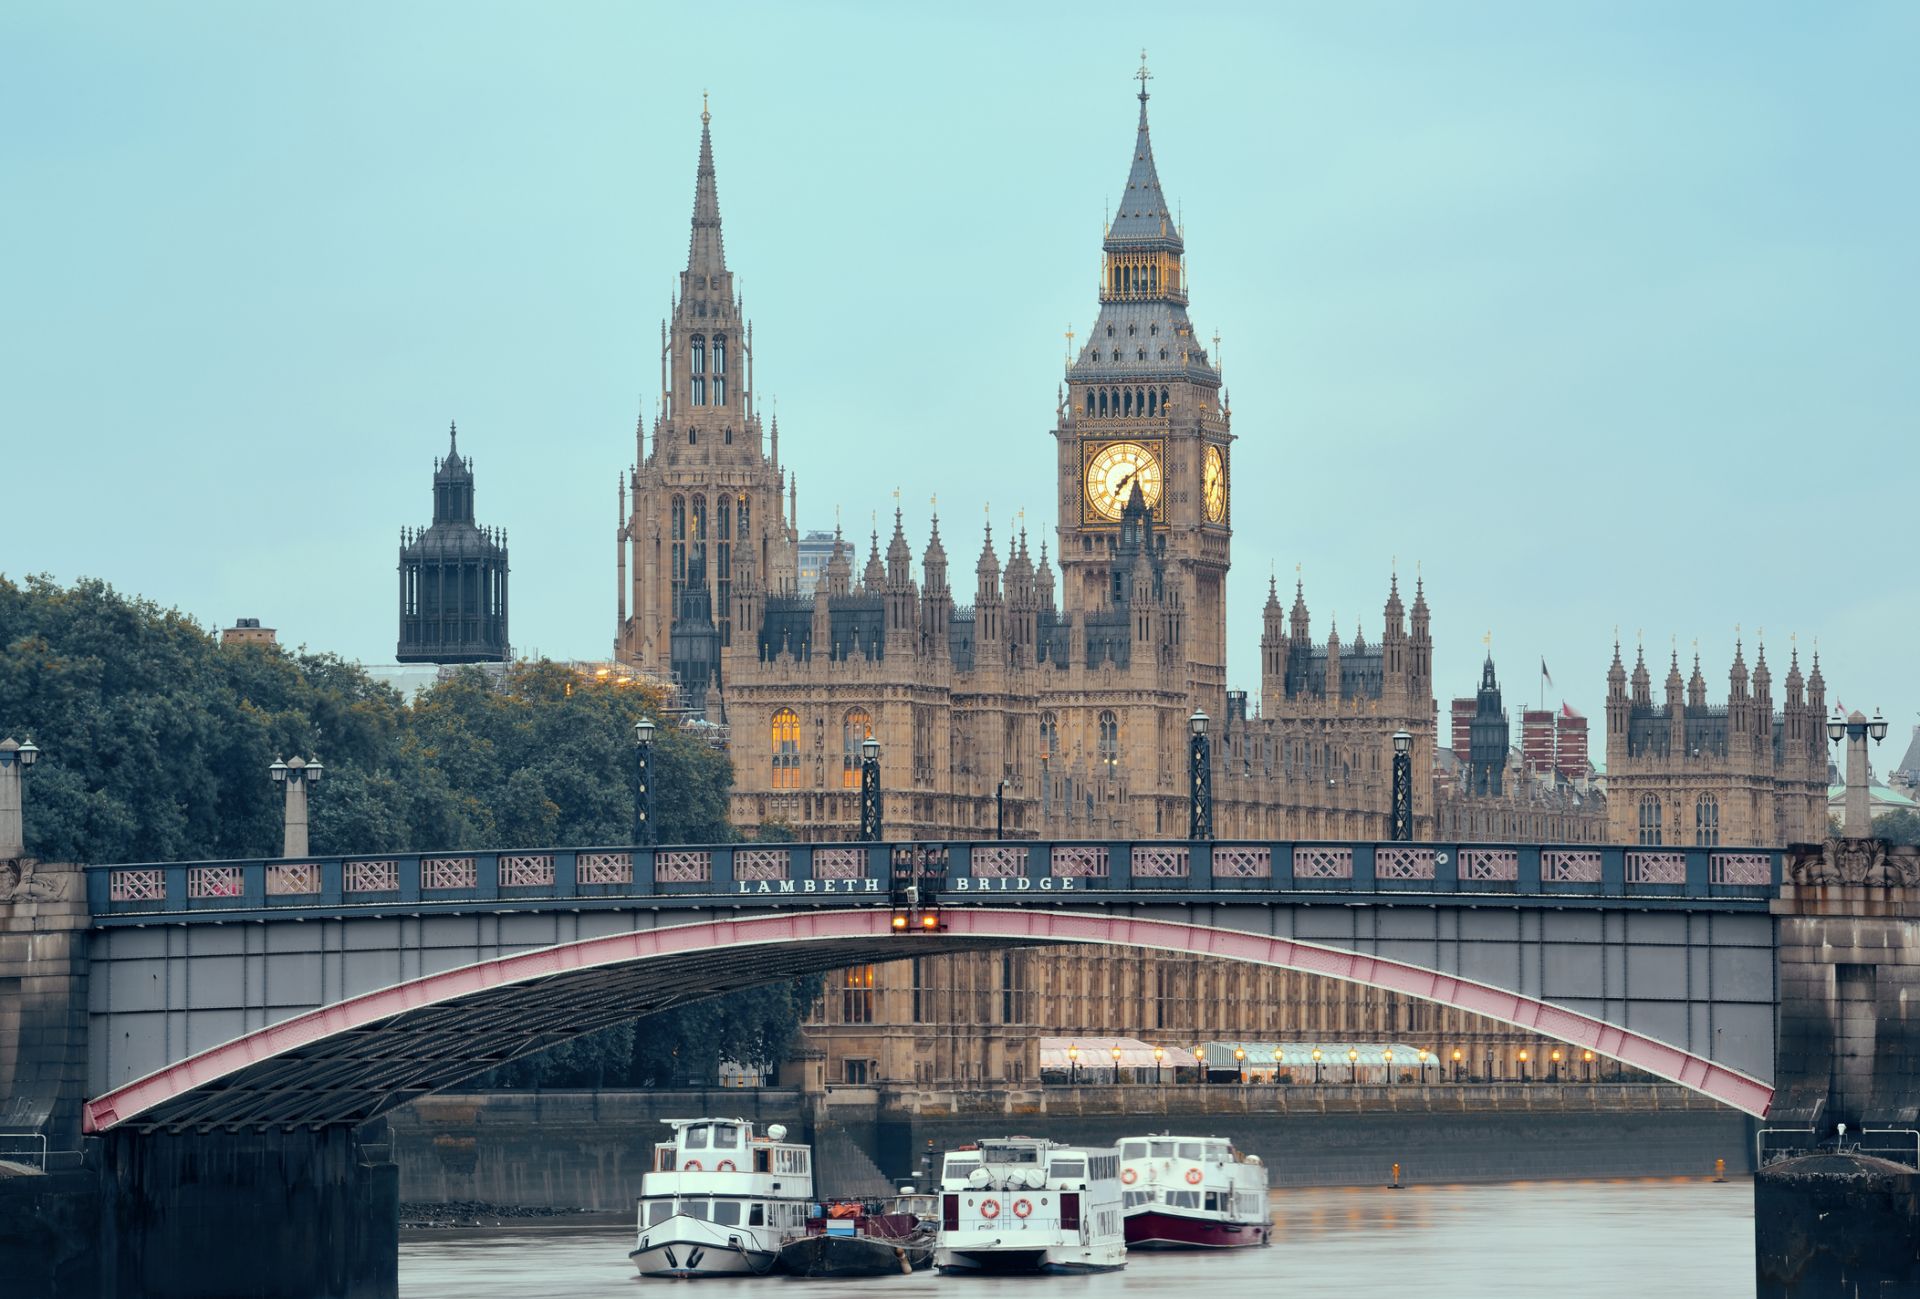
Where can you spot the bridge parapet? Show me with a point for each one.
(840, 873)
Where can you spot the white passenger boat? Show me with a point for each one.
(1192, 1193)
(721, 1201)
(1026, 1204)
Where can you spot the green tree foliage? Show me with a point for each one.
(1901, 826)
(157, 741)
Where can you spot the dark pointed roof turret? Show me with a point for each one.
(1144, 216)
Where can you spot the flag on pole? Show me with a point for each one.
(1544, 674)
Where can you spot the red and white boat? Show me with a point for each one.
(1192, 1193)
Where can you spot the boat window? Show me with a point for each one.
(693, 1139)
(1139, 1197)
(658, 1211)
(1007, 1153)
(726, 1136)
(1068, 1168)
(1213, 1200)
(761, 1161)
(1190, 1150)
(727, 1212)
(694, 1209)
(1106, 1166)
(757, 1215)
(1183, 1199)
(1134, 1150)
(1163, 1149)
(961, 1167)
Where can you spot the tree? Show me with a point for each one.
(1899, 826)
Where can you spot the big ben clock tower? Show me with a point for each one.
(1143, 409)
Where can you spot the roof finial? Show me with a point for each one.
(705, 116)
(1143, 77)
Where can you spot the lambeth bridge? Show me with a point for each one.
(220, 1026)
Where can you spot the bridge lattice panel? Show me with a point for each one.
(371, 877)
(526, 872)
(1499, 865)
(1742, 868)
(840, 863)
(1323, 863)
(762, 863)
(996, 861)
(144, 884)
(1243, 863)
(449, 873)
(1404, 863)
(1569, 867)
(1656, 868)
(291, 879)
(682, 866)
(214, 882)
(1160, 863)
(603, 868)
(1079, 861)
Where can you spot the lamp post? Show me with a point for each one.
(1073, 1064)
(870, 790)
(1353, 1065)
(1276, 1066)
(1240, 1063)
(1553, 1066)
(1523, 1065)
(1458, 1067)
(295, 778)
(15, 759)
(1200, 1062)
(1386, 1059)
(1116, 1066)
(1854, 728)
(1402, 829)
(1159, 1054)
(1000, 811)
(1200, 781)
(1423, 1053)
(1587, 1057)
(1316, 1066)
(643, 782)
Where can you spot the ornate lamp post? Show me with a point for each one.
(15, 759)
(1553, 1065)
(1276, 1066)
(870, 790)
(1458, 1066)
(1386, 1060)
(1402, 828)
(1240, 1063)
(1587, 1057)
(1523, 1065)
(1857, 822)
(1316, 1066)
(1353, 1065)
(1073, 1064)
(1423, 1053)
(1200, 1062)
(1200, 781)
(1116, 1065)
(643, 782)
(295, 779)
(1159, 1054)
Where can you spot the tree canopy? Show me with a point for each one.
(157, 740)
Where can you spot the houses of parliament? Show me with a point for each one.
(1051, 685)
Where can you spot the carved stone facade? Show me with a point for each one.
(1687, 772)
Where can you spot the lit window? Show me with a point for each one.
(857, 726)
(785, 734)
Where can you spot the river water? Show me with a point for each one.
(1686, 1238)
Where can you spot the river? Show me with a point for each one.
(1681, 1237)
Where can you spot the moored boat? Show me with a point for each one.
(864, 1239)
(1026, 1204)
(721, 1201)
(1192, 1193)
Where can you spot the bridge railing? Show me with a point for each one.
(854, 874)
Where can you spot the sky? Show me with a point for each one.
(1597, 315)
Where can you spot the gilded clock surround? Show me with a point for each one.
(1213, 485)
(1109, 462)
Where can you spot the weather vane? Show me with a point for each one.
(1143, 76)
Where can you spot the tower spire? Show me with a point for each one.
(706, 254)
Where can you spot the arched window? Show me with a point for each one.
(1706, 821)
(1103, 402)
(1109, 742)
(1649, 819)
(1163, 394)
(857, 726)
(785, 736)
(679, 550)
(1126, 398)
(719, 354)
(1089, 401)
(1153, 402)
(1049, 735)
(697, 369)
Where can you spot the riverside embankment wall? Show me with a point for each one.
(586, 1150)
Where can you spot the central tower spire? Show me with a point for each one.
(706, 252)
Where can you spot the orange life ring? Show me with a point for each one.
(1021, 1208)
(1129, 1176)
(727, 1166)
(1193, 1177)
(990, 1209)
(692, 1165)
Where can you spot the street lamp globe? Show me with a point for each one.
(1199, 1053)
(1159, 1054)
(870, 749)
(313, 771)
(278, 771)
(1877, 728)
(1386, 1056)
(1239, 1053)
(1073, 1052)
(1316, 1055)
(29, 753)
(1198, 722)
(643, 731)
(1836, 728)
(1402, 742)
(1353, 1055)
(1116, 1056)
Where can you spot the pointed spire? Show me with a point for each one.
(1143, 213)
(706, 253)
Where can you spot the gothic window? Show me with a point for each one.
(1706, 821)
(719, 354)
(1140, 399)
(854, 728)
(856, 1007)
(1153, 402)
(1130, 331)
(1649, 819)
(1163, 354)
(1126, 402)
(1049, 735)
(729, 436)
(679, 549)
(1154, 330)
(1116, 354)
(1163, 398)
(1103, 402)
(1089, 401)
(1110, 742)
(785, 736)
(1109, 327)
(1139, 353)
(697, 369)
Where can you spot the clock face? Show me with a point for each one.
(1113, 473)
(1213, 485)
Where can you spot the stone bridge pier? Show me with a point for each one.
(1840, 1214)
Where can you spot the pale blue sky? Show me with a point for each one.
(1601, 312)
